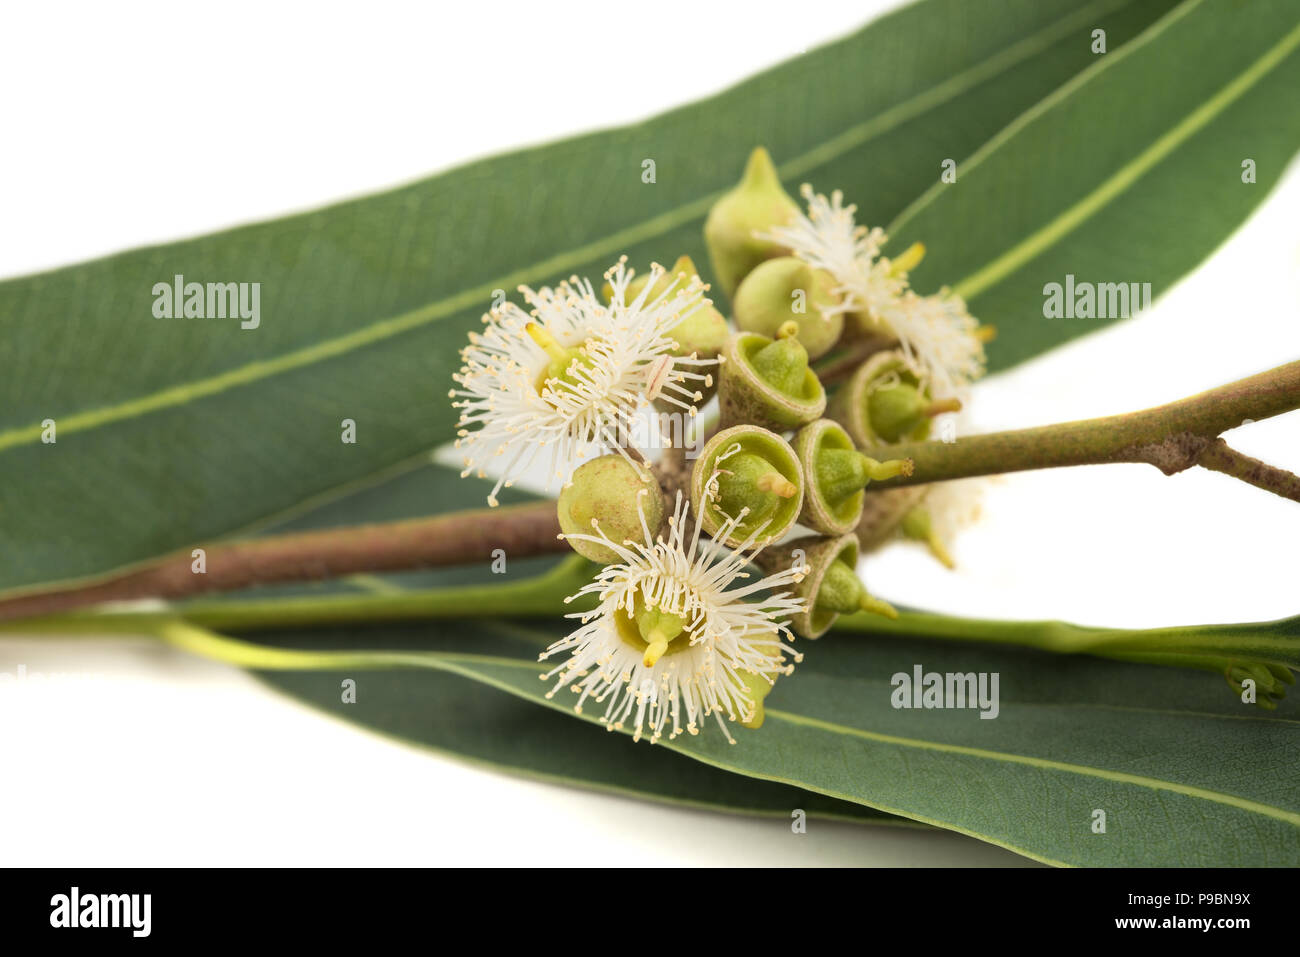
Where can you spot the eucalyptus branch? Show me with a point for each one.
(1171, 437)
(454, 538)
(538, 596)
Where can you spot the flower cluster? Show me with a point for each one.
(679, 630)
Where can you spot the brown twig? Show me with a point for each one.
(456, 538)
(1220, 457)
(1172, 437)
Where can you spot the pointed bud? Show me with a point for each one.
(613, 495)
(750, 474)
(836, 474)
(768, 382)
(830, 586)
(787, 289)
(885, 402)
(757, 204)
(1270, 681)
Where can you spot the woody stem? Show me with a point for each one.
(1172, 437)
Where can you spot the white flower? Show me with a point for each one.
(570, 375)
(670, 642)
(936, 332)
(941, 337)
(828, 238)
(955, 505)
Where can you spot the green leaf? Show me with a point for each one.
(1186, 774)
(1132, 172)
(464, 719)
(176, 431)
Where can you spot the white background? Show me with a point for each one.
(135, 124)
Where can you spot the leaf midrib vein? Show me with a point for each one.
(247, 653)
(184, 393)
(1122, 179)
(1120, 777)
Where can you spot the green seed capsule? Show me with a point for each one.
(749, 474)
(830, 587)
(884, 402)
(613, 494)
(768, 382)
(757, 204)
(787, 289)
(837, 473)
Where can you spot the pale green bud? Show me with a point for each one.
(615, 495)
(757, 204)
(784, 290)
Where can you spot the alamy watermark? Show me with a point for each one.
(932, 689)
(130, 911)
(1075, 299)
(179, 299)
(662, 430)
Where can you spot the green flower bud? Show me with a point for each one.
(703, 330)
(830, 587)
(614, 495)
(884, 402)
(901, 511)
(757, 204)
(836, 474)
(784, 290)
(749, 475)
(768, 382)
